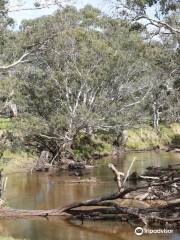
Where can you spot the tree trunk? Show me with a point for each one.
(155, 115)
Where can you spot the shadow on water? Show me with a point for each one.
(41, 191)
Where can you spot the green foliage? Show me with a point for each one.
(86, 147)
(87, 74)
(5, 22)
(8, 238)
(13, 162)
(165, 5)
(82, 78)
(5, 123)
(148, 137)
(142, 138)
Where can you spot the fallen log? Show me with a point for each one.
(104, 211)
(10, 212)
(99, 201)
(105, 208)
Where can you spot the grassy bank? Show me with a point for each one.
(16, 161)
(147, 137)
(96, 146)
(142, 138)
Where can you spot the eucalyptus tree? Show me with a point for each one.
(158, 22)
(91, 75)
(12, 55)
(163, 15)
(7, 7)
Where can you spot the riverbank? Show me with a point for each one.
(149, 138)
(16, 162)
(137, 139)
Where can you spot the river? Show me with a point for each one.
(43, 191)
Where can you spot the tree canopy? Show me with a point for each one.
(81, 72)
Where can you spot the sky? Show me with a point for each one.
(18, 16)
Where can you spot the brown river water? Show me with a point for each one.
(42, 191)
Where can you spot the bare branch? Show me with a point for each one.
(159, 24)
(137, 102)
(119, 175)
(128, 172)
(22, 59)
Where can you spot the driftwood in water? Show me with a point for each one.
(108, 207)
(157, 173)
(118, 176)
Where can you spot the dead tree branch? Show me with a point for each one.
(22, 59)
(104, 208)
(118, 175)
(159, 24)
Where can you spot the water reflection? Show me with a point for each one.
(41, 191)
(56, 229)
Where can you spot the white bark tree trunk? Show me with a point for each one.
(156, 114)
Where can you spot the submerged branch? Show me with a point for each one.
(105, 208)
